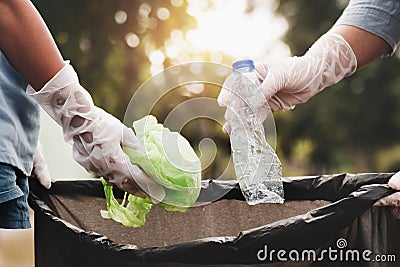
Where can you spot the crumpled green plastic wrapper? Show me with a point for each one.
(170, 161)
(131, 212)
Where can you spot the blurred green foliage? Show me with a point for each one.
(88, 35)
(350, 127)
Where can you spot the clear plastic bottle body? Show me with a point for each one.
(257, 166)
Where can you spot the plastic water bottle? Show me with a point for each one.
(257, 166)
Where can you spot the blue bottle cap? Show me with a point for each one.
(245, 63)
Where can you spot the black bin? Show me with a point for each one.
(321, 214)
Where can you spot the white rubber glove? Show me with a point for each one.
(96, 136)
(295, 80)
(291, 81)
(40, 171)
(393, 199)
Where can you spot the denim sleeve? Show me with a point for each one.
(379, 17)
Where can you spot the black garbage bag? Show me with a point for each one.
(326, 220)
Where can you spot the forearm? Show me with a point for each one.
(27, 42)
(366, 46)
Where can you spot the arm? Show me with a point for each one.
(366, 46)
(95, 135)
(26, 40)
(337, 54)
(367, 29)
(334, 56)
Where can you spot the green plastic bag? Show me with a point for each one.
(170, 161)
(131, 212)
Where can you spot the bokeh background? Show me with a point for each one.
(116, 45)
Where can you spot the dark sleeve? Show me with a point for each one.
(379, 17)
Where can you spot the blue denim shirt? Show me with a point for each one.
(379, 17)
(19, 119)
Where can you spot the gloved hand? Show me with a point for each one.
(96, 136)
(295, 80)
(40, 171)
(393, 199)
(291, 81)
